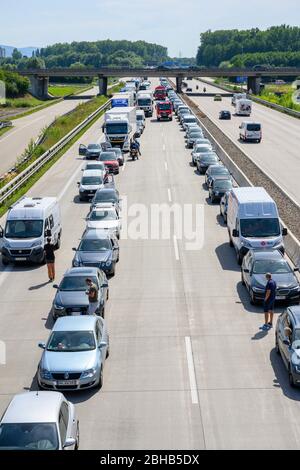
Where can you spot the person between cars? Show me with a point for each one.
(269, 301)
(50, 259)
(92, 293)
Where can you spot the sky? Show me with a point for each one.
(176, 24)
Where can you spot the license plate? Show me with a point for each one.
(67, 382)
(280, 297)
(76, 314)
(20, 259)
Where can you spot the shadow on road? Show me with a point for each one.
(227, 258)
(39, 286)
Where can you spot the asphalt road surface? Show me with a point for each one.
(189, 367)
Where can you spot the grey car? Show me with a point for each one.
(218, 187)
(255, 265)
(74, 355)
(71, 297)
(287, 342)
(39, 421)
(215, 170)
(99, 249)
(192, 136)
(92, 151)
(106, 195)
(205, 160)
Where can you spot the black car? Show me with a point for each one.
(106, 195)
(219, 187)
(91, 152)
(215, 170)
(98, 249)
(256, 263)
(224, 206)
(225, 115)
(287, 342)
(205, 160)
(71, 298)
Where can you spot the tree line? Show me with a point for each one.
(277, 46)
(15, 84)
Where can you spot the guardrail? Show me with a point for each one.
(277, 107)
(8, 190)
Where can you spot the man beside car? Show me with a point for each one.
(269, 301)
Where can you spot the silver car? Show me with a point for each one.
(39, 421)
(74, 356)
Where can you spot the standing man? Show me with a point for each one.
(92, 292)
(269, 301)
(50, 259)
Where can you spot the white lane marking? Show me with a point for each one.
(164, 147)
(63, 192)
(166, 166)
(169, 195)
(176, 248)
(124, 166)
(191, 368)
(20, 128)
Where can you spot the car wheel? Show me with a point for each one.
(107, 353)
(230, 241)
(225, 218)
(242, 278)
(212, 199)
(113, 271)
(239, 258)
(252, 298)
(107, 294)
(100, 383)
(277, 345)
(291, 379)
(193, 162)
(5, 261)
(77, 438)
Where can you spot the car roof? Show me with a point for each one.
(267, 254)
(80, 323)
(96, 233)
(92, 173)
(295, 312)
(107, 190)
(34, 407)
(82, 271)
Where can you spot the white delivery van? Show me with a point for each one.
(140, 121)
(144, 101)
(253, 221)
(238, 96)
(250, 131)
(243, 107)
(29, 223)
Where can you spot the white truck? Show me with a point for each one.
(238, 96)
(243, 107)
(144, 101)
(120, 126)
(125, 99)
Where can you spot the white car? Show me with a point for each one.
(105, 217)
(199, 150)
(39, 421)
(90, 182)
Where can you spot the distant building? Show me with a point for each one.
(2, 53)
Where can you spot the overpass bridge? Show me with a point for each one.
(39, 78)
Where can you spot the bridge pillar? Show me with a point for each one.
(179, 81)
(253, 84)
(102, 85)
(39, 87)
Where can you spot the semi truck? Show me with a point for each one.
(144, 102)
(243, 107)
(122, 100)
(164, 110)
(120, 126)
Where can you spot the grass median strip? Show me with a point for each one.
(62, 91)
(52, 135)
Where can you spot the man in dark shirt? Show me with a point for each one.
(50, 259)
(269, 301)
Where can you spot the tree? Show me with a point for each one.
(16, 55)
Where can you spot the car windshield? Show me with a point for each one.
(28, 436)
(219, 170)
(95, 166)
(164, 106)
(144, 101)
(75, 283)
(117, 151)
(209, 158)
(107, 156)
(264, 266)
(139, 117)
(189, 119)
(71, 341)
(223, 184)
(117, 128)
(97, 244)
(260, 228)
(91, 180)
(24, 229)
(203, 149)
(253, 127)
(195, 134)
(106, 196)
(103, 215)
(94, 147)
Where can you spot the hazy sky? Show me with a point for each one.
(172, 23)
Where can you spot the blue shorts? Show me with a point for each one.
(269, 306)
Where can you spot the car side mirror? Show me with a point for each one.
(104, 285)
(78, 183)
(74, 249)
(42, 345)
(70, 442)
(235, 233)
(286, 342)
(284, 231)
(246, 271)
(296, 269)
(103, 344)
(240, 127)
(55, 286)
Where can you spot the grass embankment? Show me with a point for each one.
(280, 94)
(4, 130)
(66, 90)
(52, 135)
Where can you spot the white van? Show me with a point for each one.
(91, 181)
(238, 96)
(253, 221)
(250, 131)
(29, 223)
(140, 121)
(243, 107)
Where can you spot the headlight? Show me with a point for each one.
(88, 374)
(245, 243)
(45, 374)
(36, 243)
(108, 263)
(58, 307)
(258, 289)
(76, 263)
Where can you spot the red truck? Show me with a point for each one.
(164, 110)
(160, 93)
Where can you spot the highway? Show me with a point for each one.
(14, 142)
(188, 367)
(277, 154)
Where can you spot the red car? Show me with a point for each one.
(111, 162)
